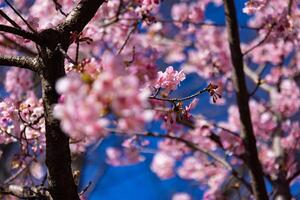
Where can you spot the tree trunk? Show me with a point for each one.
(247, 134)
(52, 46)
(58, 158)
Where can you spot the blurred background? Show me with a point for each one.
(136, 182)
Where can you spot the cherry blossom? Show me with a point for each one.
(163, 165)
(123, 73)
(169, 79)
(181, 196)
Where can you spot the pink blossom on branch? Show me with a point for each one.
(113, 71)
(170, 79)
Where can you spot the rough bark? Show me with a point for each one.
(19, 32)
(49, 64)
(251, 155)
(58, 158)
(18, 61)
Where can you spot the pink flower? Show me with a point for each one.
(181, 196)
(149, 2)
(128, 156)
(199, 168)
(287, 101)
(17, 82)
(113, 63)
(173, 148)
(169, 79)
(196, 13)
(254, 5)
(233, 144)
(163, 165)
(180, 12)
(37, 170)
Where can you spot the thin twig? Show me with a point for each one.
(19, 32)
(127, 38)
(254, 77)
(259, 82)
(194, 147)
(172, 100)
(16, 174)
(85, 189)
(19, 14)
(66, 55)
(185, 22)
(295, 175)
(259, 73)
(226, 129)
(12, 22)
(290, 6)
(260, 42)
(58, 7)
(77, 51)
(204, 24)
(189, 144)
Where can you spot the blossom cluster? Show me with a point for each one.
(114, 85)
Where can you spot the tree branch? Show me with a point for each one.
(255, 78)
(19, 61)
(19, 14)
(26, 35)
(260, 42)
(293, 176)
(58, 155)
(194, 147)
(247, 134)
(174, 100)
(11, 21)
(80, 16)
(290, 6)
(24, 192)
(58, 7)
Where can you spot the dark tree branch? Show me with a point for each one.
(80, 16)
(290, 6)
(259, 82)
(18, 61)
(174, 100)
(16, 31)
(58, 7)
(16, 174)
(293, 176)
(58, 156)
(247, 134)
(11, 21)
(52, 50)
(19, 14)
(127, 38)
